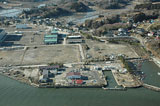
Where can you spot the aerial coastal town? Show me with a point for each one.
(80, 45)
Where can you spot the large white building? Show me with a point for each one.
(2, 35)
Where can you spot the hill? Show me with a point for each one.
(76, 7)
(47, 12)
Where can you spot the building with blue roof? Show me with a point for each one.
(51, 39)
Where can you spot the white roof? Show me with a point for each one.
(78, 36)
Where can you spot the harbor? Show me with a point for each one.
(13, 93)
(79, 52)
(103, 75)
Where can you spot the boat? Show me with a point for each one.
(158, 73)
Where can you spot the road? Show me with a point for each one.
(81, 51)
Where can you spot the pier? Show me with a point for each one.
(151, 87)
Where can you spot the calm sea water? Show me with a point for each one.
(14, 93)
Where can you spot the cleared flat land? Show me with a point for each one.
(126, 80)
(11, 57)
(29, 37)
(101, 49)
(41, 55)
(57, 53)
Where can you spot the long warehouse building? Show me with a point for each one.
(2, 35)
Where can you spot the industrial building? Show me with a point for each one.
(47, 72)
(2, 35)
(76, 76)
(61, 33)
(54, 31)
(74, 39)
(51, 39)
(73, 75)
(56, 36)
(22, 26)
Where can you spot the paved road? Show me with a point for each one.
(81, 51)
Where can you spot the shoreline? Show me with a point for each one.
(73, 86)
(46, 86)
(13, 78)
(156, 61)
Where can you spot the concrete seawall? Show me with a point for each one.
(156, 61)
(115, 89)
(70, 86)
(151, 87)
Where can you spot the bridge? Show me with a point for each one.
(151, 87)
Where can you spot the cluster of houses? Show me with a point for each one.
(123, 32)
(46, 21)
(154, 33)
(143, 32)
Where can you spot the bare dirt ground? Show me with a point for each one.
(57, 53)
(29, 37)
(126, 80)
(11, 57)
(101, 49)
(40, 55)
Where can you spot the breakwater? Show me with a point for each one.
(151, 87)
(115, 89)
(72, 86)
